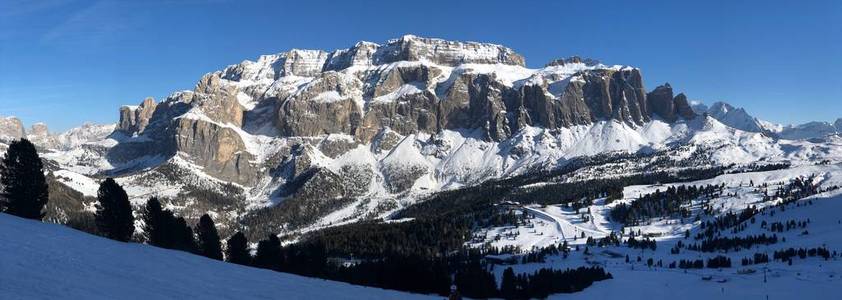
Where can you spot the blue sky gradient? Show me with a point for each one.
(67, 62)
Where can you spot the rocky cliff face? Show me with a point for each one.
(133, 119)
(324, 129)
(11, 128)
(406, 86)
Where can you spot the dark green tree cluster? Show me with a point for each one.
(733, 243)
(545, 282)
(789, 253)
(24, 185)
(163, 229)
(671, 202)
(645, 243)
(710, 229)
(719, 262)
(237, 251)
(268, 254)
(758, 258)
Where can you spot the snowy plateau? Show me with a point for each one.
(304, 141)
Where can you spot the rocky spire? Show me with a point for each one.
(133, 119)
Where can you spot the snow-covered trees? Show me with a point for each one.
(24, 185)
(114, 212)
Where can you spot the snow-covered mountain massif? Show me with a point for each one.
(308, 138)
(467, 143)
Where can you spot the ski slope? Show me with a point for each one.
(809, 278)
(49, 261)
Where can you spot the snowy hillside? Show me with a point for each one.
(48, 261)
(809, 277)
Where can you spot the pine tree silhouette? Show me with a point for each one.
(209, 244)
(22, 176)
(268, 253)
(114, 212)
(237, 250)
(155, 227)
(184, 239)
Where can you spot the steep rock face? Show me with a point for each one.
(361, 54)
(538, 107)
(450, 53)
(328, 104)
(11, 128)
(670, 108)
(133, 119)
(476, 101)
(219, 149)
(313, 106)
(661, 102)
(217, 101)
(682, 107)
(617, 95)
(838, 124)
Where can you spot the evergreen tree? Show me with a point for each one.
(508, 284)
(114, 212)
(184, 239)
(268, 253)
(22, 176)
(236, 250)
(155, 224)
(209, 244)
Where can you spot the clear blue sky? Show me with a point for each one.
(66, 62)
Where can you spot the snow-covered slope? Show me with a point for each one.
(48, 261)
(805, 278)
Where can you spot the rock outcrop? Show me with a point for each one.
(11, 128)
(667, 107)
(133, 119)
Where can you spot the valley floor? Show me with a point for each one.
(49, 261)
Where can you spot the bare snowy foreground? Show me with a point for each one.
(49, 261)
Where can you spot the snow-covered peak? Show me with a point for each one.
(731, 116)
(87, 133)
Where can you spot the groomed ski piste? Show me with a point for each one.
(50, 261)
(807, 278)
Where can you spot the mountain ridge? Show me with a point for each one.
(316, 138)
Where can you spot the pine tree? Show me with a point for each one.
(163, 229)
(155, 224)
(22, 176)
(268, 253)
(236, 250)
(114, 212)
(184, 239)
(209, 244)
(508, 284)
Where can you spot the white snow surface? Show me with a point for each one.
(810, 278)
(50, 261)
